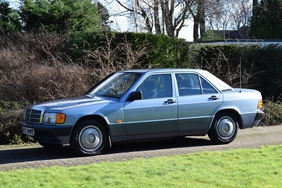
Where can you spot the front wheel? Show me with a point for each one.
(88, 138)
(224, 128)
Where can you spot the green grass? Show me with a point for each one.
(234, 168)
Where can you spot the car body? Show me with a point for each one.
(144, 104)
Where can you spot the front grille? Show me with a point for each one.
(33, 115)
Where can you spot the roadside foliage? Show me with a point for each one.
(41, 67)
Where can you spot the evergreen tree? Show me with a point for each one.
(60, 16)
(104, 15)
(266, 23)
(9, 19)
(209, 35)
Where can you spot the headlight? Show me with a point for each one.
(55, 118)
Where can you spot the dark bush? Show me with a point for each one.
(10, 113)
(261, 65)
(273, 113)
(33, 68)
(161, 51)
(268, 68)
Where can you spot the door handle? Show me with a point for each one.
(213, 98)
(169, 101)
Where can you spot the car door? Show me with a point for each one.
(156, 114)
(196, 102)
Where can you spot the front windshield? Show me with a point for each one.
(116, 85)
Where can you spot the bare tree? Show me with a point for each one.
(159, 16)
(233, 15)
(218, 15)
(241, 13)
(170, 16)
(202, 11)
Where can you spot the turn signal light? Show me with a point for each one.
(260, 104)
(60, 119)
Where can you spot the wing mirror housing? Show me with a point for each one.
(135, 95)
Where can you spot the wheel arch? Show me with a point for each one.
(100, 120)
(224, 126)
(232, 111)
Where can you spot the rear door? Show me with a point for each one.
(196, 102)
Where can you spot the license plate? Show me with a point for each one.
(28, 131)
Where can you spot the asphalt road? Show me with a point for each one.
(36, 156)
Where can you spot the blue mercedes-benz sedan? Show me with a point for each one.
(144, 104)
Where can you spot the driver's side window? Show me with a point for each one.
(156, 86)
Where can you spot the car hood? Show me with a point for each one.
(73, 102)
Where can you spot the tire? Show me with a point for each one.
(224, 128)
(50, 146)
(88, 138)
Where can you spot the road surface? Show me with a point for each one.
(36, 156)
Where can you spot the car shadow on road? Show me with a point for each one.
(30, 154)
(159, 144)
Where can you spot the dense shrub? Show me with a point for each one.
(10, 114)
(224, 62)
(159, 50)
(41, 67)
(35, 68)
(261, 65)
(273, 113)
(268, 68)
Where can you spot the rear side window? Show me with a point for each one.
(192, 84)
(207, 88)
(188, 84)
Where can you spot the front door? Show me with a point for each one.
(156, 114)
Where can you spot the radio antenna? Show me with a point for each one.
(240, 75)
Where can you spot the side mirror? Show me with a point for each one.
(136, 95)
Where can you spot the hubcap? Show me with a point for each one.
(90, 138)
(225, 127)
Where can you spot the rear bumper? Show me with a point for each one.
(53, 134)
(258, 118)
(252, 119)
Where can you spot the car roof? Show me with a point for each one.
(161, 70)
(218, 83)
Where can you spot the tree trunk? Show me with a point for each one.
(145, 16)
(168, 16)
(195, 29)
(255, 3)
(201, 10)
(156, 16)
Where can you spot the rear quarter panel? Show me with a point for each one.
(245, 102)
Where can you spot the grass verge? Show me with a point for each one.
(260, 167)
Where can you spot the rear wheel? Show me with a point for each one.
(88, 138)
(224, 128)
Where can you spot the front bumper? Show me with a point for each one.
(53, 134)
